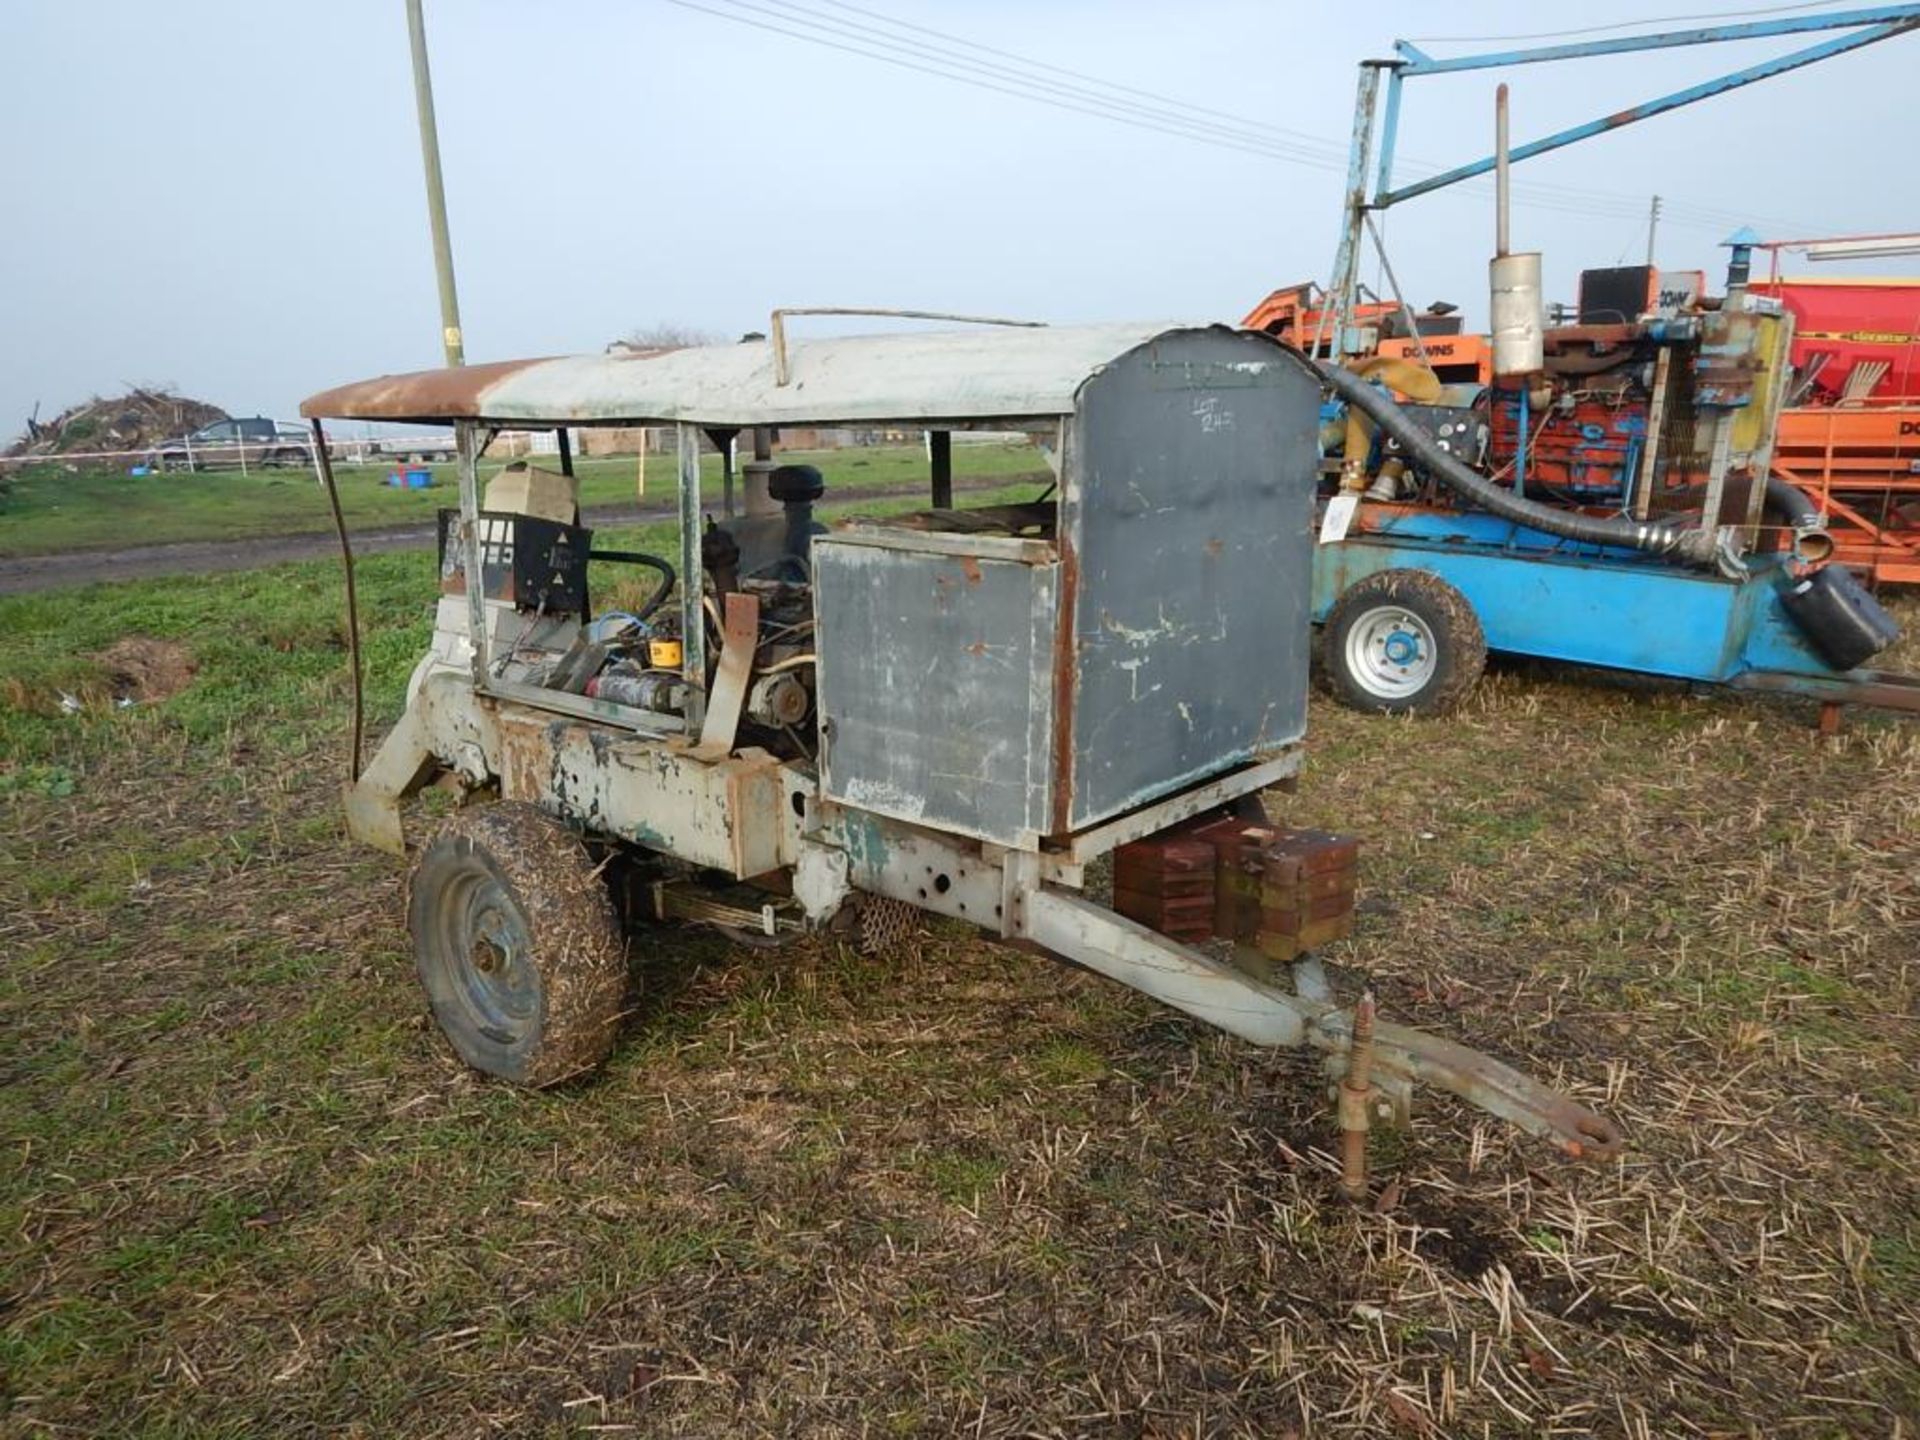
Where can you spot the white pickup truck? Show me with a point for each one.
(426, 447)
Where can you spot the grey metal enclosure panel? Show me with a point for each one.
(934, 687)
(1189, 513)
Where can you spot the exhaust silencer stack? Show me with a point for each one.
(1519, 338)
(1517, 306)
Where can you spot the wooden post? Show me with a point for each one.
(940, 444)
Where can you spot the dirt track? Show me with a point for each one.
(194, 557)
(20, 575)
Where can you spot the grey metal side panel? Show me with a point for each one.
(1190, 520)
(935, 687)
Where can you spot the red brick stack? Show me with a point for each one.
(1278, 890)
(1167, 884)
(1308, 880)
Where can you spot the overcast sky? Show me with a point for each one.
(227, 197)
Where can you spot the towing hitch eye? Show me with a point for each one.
(1225, 996)
(1393, 1057)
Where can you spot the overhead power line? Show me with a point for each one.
(1140, 121)
(1321, 141)
(1165, 114)
(1585, 199)
(1241, 127)
(1749, 14)
(1317, 151)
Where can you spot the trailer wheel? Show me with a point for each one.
(517, 945)
(1403, 642)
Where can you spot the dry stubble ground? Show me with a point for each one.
(246, 1191)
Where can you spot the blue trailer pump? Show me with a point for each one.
(1412, 596)
(1622, 510)
(1538, 595)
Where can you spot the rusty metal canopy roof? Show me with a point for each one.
(952, 375)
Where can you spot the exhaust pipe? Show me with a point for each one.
(1517, 303)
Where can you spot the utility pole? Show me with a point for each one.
(1653, 221)
(436, 192)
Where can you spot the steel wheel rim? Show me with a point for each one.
(1391, 653)
(484, 949)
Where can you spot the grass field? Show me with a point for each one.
(51, 509)
(247, 1191)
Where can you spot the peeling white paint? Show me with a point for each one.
(988, 373)
(887, 798)
(1166, 629)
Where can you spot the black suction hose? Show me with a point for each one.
(1792, 505)
(1811, 540)
(1698, 546)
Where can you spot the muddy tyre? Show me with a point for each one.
(1403, 642)
(517, 945)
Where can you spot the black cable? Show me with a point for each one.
(638, 557)
(324, 463)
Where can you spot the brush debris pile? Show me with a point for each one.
(136, 420)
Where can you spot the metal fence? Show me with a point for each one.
(244, 456)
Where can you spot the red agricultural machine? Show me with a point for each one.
(1849, 437)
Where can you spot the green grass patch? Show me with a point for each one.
(962, 1178)
(49, 508)
(268, 645)
(246, 1189)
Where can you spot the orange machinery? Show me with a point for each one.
(1298, 315)
(1860, 464)
(1851, 439)
(1454, 359)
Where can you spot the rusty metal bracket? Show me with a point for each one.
(373, 801)
(1356, 1101)
(738, 642)
(1882, 688)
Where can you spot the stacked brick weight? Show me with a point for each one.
(1276, 893)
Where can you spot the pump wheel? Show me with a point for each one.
(517, 945)
(1403, 642)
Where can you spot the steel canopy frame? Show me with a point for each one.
(1869, 24)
